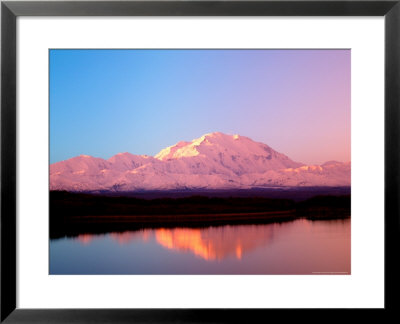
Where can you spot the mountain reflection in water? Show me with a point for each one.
(213, 243)
(295, 247)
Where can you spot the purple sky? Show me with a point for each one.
(103, 102)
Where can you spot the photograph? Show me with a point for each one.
(199, 161)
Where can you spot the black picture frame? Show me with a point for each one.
(10, 10)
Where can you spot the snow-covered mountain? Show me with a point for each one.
(213, 161)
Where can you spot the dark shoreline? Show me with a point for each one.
(107, 224)
(293, 193)
(72, 214)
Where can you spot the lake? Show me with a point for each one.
(295, 247)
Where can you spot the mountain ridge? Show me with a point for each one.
(212, 161)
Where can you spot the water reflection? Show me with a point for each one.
(296, 247)
(85, 238)
(213, 243)
(128, 237)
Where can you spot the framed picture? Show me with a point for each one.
(174, 161)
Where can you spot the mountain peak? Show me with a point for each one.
(215, 134)
(201, 145)
(214, 145)
(219, 135)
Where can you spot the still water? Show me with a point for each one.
(296, 247)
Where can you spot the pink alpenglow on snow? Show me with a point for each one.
(212, 161)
